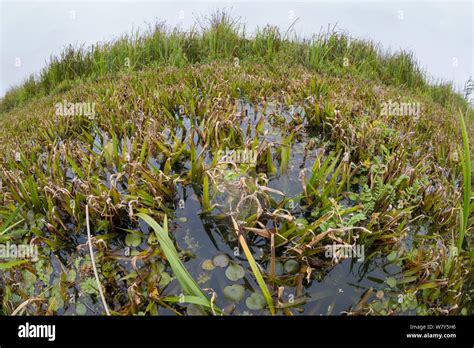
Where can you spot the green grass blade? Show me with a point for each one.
(187, 282)
(205, 194)
(466, 167)
(10, 264)
(187, 299)
(6, 225)
(255, 269)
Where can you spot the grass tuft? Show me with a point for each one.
(466, 168)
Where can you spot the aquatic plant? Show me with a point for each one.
(194, 293)
(327, 166)
(466, 169)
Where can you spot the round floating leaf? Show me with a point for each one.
(221, 260)
(234, 292)
(278, 268)
(29, 279)
(60, 303)
(207, 265)
(379, 294)
(411, 301)
(193, 309)
(71, 276)
(133, 240)
(183, 219)
(56, 303)
(392, 256)
(89, 286)
(81, 309)
(392, 282)
(255, 301)
(203, 278)
(234, 272)
(291, 266)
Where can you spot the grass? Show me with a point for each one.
(9, 223)
(254, 267)
(190, 287)
(222, 37)
(466, 168)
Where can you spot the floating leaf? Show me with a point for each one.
(207, 265)
(71, 276)
(301, 223)
(133, 240)
(165, 279)
(291, 266)
(81, 309)
(193, 309)
(203, 278)
(234, 292)
(411, 301)
(55, 303)
(29, 279)
(255, 301)
(392, 256)
(234, 272)
(221, 260)
(392, 282)
(278, 268)
(183, 276)
(89, 286)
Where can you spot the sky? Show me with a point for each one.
(440, 33)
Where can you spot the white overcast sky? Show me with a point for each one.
(440, 33)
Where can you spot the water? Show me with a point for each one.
(330, 289)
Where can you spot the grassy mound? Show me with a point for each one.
(223, 37)
(283, 146)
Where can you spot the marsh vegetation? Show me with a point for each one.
(222, 173)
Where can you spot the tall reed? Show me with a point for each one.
(466, 168)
